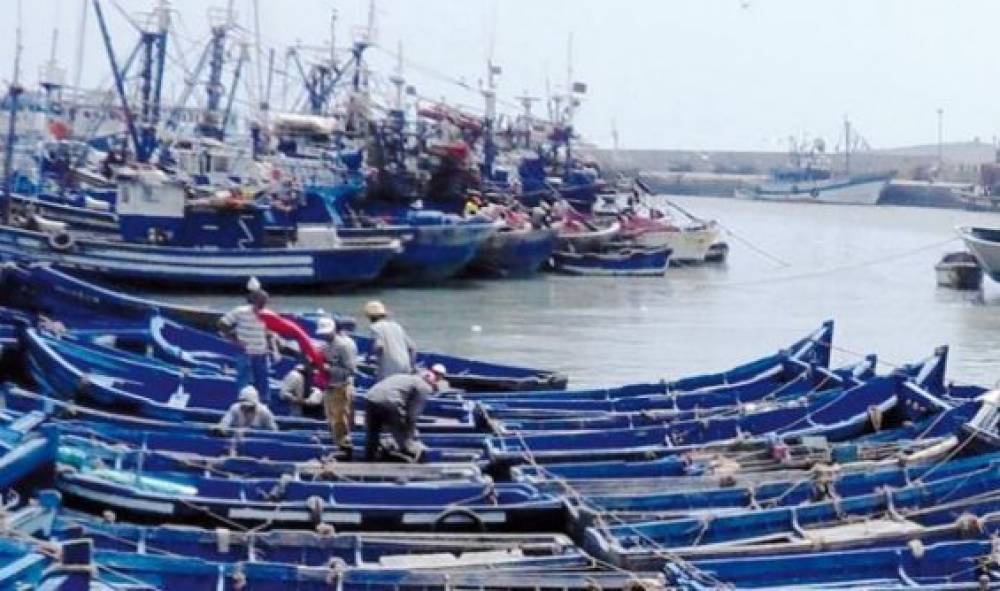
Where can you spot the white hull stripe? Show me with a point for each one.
(430, 518)
(161, 508)
(293, 515)
(611, 272)
(201, 268)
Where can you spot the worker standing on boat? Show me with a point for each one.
(393, 352)
(248, 413)
(245, 326)
(341, 356)
(395, 404)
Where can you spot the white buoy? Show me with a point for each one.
(477, 328)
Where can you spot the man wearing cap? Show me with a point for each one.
(244, 325)
(341, 357)
(393, 351)
(248, 413)
(293, 391)
(395, 404)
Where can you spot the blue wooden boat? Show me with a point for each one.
(954, 564)
(112, 378)
(26, 564)
(811, 352)
(435, 246)
(648, 411)
(839, 415)
(200, 438)
(514, 252)
(681, 497)
(638, 411)
(371, 550)
(616, 262)
(76, 302)
(27, 448)
(159, 453)
(758, 455)
(176, 497)
(638, 545)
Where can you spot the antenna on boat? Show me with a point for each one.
(262, 90)
(13, 95)
(397, 79)
(526, 102)
(81, 44)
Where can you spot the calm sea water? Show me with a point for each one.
(868, 268)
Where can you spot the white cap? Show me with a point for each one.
(375, 308)
(325, 326)
(253, 284)
(439, 369)
(249, 394)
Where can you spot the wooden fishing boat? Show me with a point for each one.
(514, 252)
(951, 564)
(165, 454)
(25, 563)
(959, 270)
(839, 415)
(187, 437)
(27, 449)
(812, 351)
(618, 261)
(117, 379)
(796, 381)
(640, 545)
(76, 302)
(184, 498)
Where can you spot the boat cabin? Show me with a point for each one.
(154, 208)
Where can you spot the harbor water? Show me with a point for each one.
(791, 266)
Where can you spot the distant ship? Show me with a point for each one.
(811, 180)
(819, 186)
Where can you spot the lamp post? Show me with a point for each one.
(940, 139)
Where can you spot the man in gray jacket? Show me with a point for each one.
(395, 404)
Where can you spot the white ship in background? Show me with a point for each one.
(811, 179)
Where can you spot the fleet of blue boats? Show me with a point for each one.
(783, 472)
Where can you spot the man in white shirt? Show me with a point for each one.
(244, 326)
(248, 413)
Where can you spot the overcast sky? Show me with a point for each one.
(721, 74)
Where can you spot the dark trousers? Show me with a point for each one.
(376, 419)
(379, 418)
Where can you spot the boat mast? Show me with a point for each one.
(13, 95)
(81, 43)
(211, 124)
(490, 95)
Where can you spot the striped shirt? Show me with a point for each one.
(250, 330)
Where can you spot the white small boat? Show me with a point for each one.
(984, 244)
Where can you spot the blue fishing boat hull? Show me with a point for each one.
(164, 265)
(27, 449)
(514, 253)
(430, 252)
(626, 263)
(155, 496)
